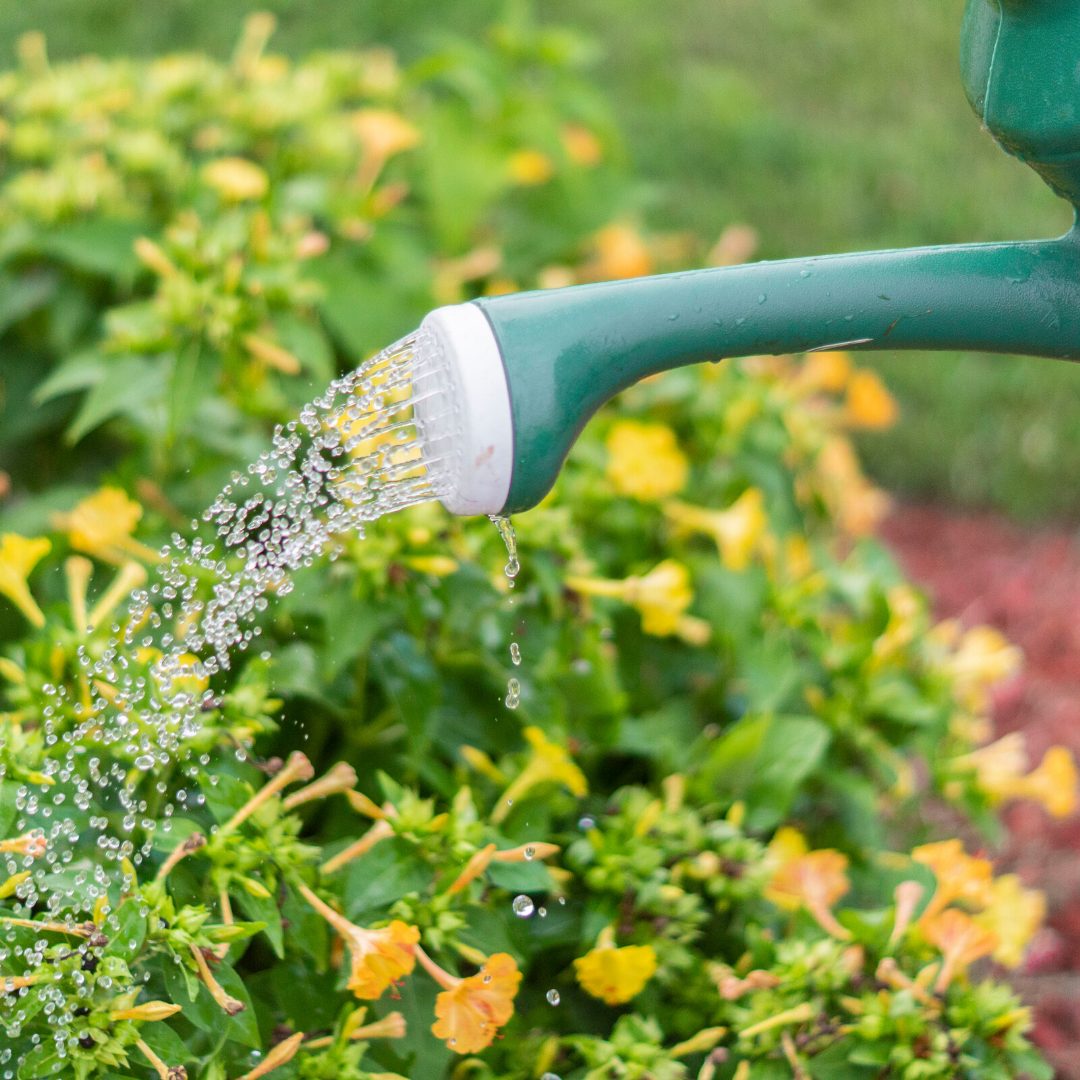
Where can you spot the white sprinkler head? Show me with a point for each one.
(476, 436)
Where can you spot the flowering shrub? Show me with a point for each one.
(685, 846)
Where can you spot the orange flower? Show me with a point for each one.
(868, 404)
(581, 145)
(621, 253)
(961, 940)
(959, 876)
(471, 1011)
(377, 958)
(829, 371)
(815, 880)
(384, 133)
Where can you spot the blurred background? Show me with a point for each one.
(826, 125)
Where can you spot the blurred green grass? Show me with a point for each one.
(827, 124)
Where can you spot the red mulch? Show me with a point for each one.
(982, 569)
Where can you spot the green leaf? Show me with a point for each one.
(361, 309)
(126, 931)
(764, 760)
(98, 245)
(129, 384)
(44, 1060)
(225, 797)
(22, 294)
(8, 810)
(78, 372)
(193, 377)
(387, 872)
(265, 910)
(204, 1012)
(309, 344)
(165, 1043)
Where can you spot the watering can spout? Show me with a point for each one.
(541, 363)
(529, 370)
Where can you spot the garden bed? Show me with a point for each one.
(1026, 582)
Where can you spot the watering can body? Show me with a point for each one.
(1020, 63)
(554, 357)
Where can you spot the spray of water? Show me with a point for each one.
(378, 440)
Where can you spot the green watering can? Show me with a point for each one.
(526, 371)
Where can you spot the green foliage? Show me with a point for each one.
(730, 700)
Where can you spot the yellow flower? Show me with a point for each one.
(147, 1012)
(661, 598)
(380, 958)
(961, 940)
(18, 557)
(855, 503)
(615, 975)
(549, 763)
(868, 404)
(530, 168)
(620, 253)
(1000, 771)
(470, 1011)
(737, 531)
(436, 565)
(982, 658)
(644, 461)
(811, 879)
(377, 958)
(959, 876)
(1013, 915)
(102, 524)
(1053, 783)
(581, 145)
(236, 179)
(384, 133)
(905, 621)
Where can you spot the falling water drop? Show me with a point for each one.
(553, 997)
(509, 538)
(515, 653)
(513, 694)
(523, 906)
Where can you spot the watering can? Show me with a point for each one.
(526, 371)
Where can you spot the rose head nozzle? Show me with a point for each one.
(525, 372)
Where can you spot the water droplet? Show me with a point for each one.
(515, 653)
(523, 906)
(529, 852)
(553, 999)
(509, 538)
(549, 1076)
(513, 694)
(586, 823)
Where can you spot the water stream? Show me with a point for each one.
(353, 455)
